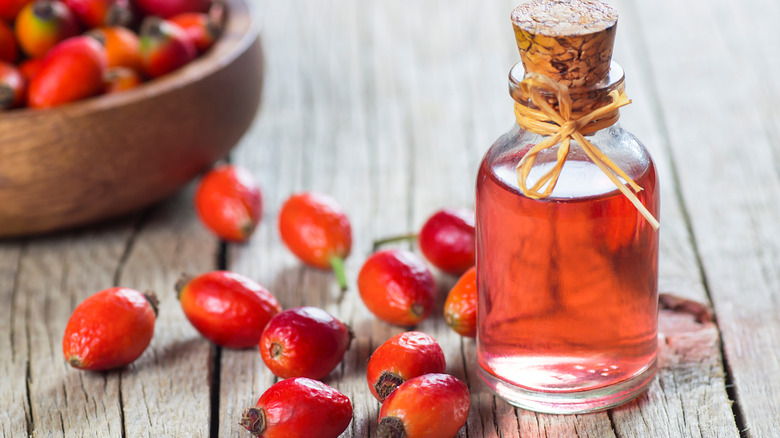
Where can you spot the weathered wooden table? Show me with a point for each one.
(388, 106)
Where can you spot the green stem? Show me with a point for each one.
(337, 263)
(393, 239)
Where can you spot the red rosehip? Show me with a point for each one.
(169, 8)
(299, 407)
(460, 309)
(227, 308)
(163, 47)
(397, 287)
(8, 50)
(428, 406)
(41, 25)
(74, 69)
(317, 231)
(229, 203)
(97, 13)
(199, 27)
(12, 85)
(401, 358)
(110, 329)
(448, 240)
(304, 342)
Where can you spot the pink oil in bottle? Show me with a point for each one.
(567, 287)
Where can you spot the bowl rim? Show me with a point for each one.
(239, 32)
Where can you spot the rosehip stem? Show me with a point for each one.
(393, 239)
(337, 263)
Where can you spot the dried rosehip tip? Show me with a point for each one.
(253, 420)
(119, 14)
(391, 427)
(153, 301)
(75, 362)
(387, 383)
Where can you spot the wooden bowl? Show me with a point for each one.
(113, 154)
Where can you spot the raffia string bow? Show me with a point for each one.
(560, 127)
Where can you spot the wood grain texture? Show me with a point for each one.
(15, 413)
(166, 392)
(709, 110)
(114, 154)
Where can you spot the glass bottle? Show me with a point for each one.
(567, 284)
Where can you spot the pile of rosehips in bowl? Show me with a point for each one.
(303, 345)
(53, 52)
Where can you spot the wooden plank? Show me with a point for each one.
(707, 99)
(272, 151)
(55, 274)
(665, 409)
(14, 407)
(166, 392)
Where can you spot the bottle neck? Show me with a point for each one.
(589, 108)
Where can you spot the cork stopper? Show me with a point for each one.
(569, 41)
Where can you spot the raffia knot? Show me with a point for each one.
(560, 126)
(568, 128)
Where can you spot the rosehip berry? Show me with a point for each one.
(8, 50)
(12, 85)
(227, 308)
(42, 24)
(428, 406)
(448, 240)
(121, 46)
(110, 329)
(169, 8)
(97, 13)
(74, 69)
(317, 231)
(401, 358)
(304, 342)
(460, 309)
(397, 287)
(229, 203)
(299, 407)
(200, 29)
(164, 47)
(9, 9)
